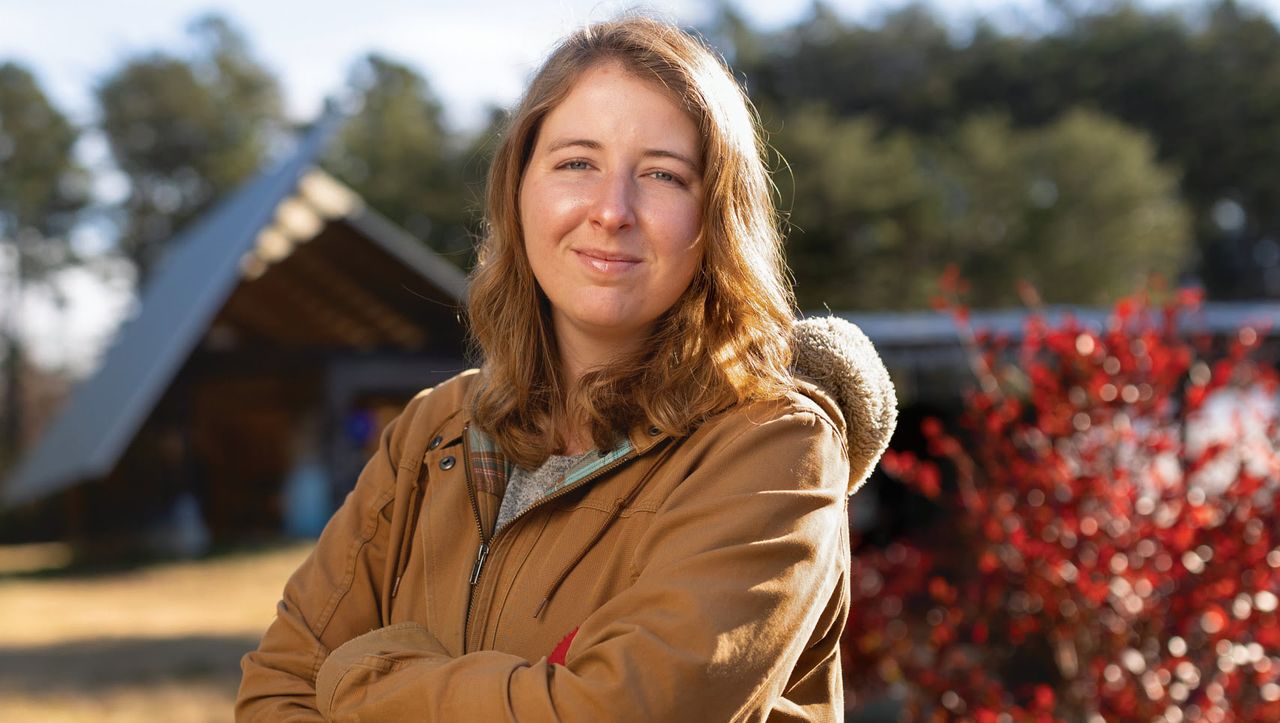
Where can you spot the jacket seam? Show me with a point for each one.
(793, 409)
(627, 512)
(333, 694)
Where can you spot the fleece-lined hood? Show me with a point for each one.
(835, 356)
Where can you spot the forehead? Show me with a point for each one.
(610, 99)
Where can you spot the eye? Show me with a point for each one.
(666, 177)
(576, 164)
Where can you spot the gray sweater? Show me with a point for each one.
(525, 487)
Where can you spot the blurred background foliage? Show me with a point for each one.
(1196, 88)
(1079, 207)
(1103, 145)
(42, 190)
(403, 159)
(185, 131)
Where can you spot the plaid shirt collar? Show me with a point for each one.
(490, 469)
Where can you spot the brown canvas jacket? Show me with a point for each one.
(701, 579)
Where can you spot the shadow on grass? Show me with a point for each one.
(84, 561)
(98, 664)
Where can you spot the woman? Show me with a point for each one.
(635, 509)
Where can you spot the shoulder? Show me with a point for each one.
(789, 437)
(799, 408)
(454, 392)
(429, 410)
(762, 455)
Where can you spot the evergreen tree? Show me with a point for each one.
(1080, 207)
(185, 132)
(397, 153)
(42, 189)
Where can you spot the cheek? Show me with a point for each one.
(548, 211)
(684, 262)
(529, 211)
(686, 238)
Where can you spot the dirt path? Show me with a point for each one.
(157, 644)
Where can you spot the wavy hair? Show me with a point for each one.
(724, 341)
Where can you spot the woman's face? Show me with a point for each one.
(611, 207)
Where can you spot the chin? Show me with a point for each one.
(608, 327)
(611, 328)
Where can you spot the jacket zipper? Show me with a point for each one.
(618, 505)
(482, 554)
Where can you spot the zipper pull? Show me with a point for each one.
(481, 555)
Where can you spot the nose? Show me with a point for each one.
(613, 209)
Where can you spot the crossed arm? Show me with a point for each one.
(733, 581)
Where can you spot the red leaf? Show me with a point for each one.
(931, 427)
(950, 280)
(928, 480)
(980, 633)
(940, 590)
(1190, 298)
(1044, 698)
(988, 562)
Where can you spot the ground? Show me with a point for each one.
(156, 643)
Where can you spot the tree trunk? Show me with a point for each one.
(11, 431)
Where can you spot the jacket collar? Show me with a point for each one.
(490, 468)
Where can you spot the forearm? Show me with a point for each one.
(331, 598)
(278, 679)
(720, 610)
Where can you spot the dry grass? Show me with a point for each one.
(161, 643)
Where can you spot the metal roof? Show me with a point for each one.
(236, 241)
(939, 328)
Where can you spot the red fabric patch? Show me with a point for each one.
(561, 649)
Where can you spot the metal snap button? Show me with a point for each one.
(436, 442)
(447, 462)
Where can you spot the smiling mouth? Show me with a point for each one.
(607, 262)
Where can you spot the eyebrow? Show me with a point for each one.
(597, 145)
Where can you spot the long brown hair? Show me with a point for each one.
(725, 340)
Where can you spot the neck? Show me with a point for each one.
(573, 431)
(580, 353)
(572, 427)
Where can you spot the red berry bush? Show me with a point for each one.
(1109, 544)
